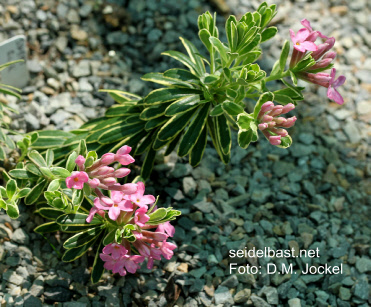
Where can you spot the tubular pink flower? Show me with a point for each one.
(321, 64)
(142, 248)
(323, 48)
(300, 42)
(80, 160)
(332, 93)
(263, 126)
(275, 139)
(320, 78)
(276, 110)
(93, 183)
(166, 228)
(157, 235)
(290, 122)
(94, 210)
(103, 170)
(107, 158)
(115, 210)
(109, 262)
(167, 249)
(108, 181)
(127, 188)
(77, 180)
(139, 198)
(123, 157)
(140, 217)
(330, 55)
(121, 172)
(116, 250)
(287, 108)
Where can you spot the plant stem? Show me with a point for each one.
(276, 77)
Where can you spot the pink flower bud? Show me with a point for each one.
(93, 183)
(271, 124)
(107, 158)
(124, 150)
(267, 106)
(108, 181)
(122, 172)
(280, 131)
(263, 126)
(287, 108)
(330, 55)
(290, 122)
(276, 110)
(103, 170)
(279, 120)
(267, 118)
(275, 140)
(80, 160)
(321, 64)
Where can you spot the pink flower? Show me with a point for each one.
(141, 217)
(300, 42)
(127, 188)
(140, 199)
(332, 93)
(167, 249)
(123, 157)
(77, 180)
(114, 208)
(94, 210)
(116, 250)
(80, 160)
(166, 228)
(155, 254)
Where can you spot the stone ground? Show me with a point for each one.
(311, 195)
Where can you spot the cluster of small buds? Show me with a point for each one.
(272, 124)
(150, 245)
(303, 41)
(102, 176)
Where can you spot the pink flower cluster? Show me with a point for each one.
(303, 41)
(102, 176)
(150, 244)
(272, 124)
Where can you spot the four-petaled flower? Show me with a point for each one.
(300, 40)
(332, 93)
(77, 180)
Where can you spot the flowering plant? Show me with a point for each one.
(122, 224)
(201, 101)
(207, 98)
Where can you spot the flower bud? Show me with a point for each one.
(93, 183)
(80, 160)
(275, 140)
(109, 181)
(287, 108)
(267, 118)
(107, 158)
(263, 126)
(276, 110)
(121, 172)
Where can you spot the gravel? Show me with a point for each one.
(311, 195)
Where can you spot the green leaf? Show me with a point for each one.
(175, 125)
(220, 48)
(120, 96)
(54, 185)
(11, 188)
(158, 215)
(74, 253)
(245, 133)
(231, 31)
(110, 237)
(120, 132)
(284, 55)
(232, 108)
(181, 74)
(49, 157)
(211, 122)
(286, 142)
(204, 36)
(36, 158)
(193, 54)
(217, 110)
(162, 79)
(122, 110)
(77, 219)
(46, 172)
(154, 111)
(268, 96)
(171, 146)
(23, 193)
(283, 99)
(182, 105)
(185, 60)
(70, 164)
(77, 198)
(82, 238)
(246, 39)
(148, 163)
(98, 265)
(35, 193)
(20, 174)
(168, 94)
(2, 204)
(193, 132)
(153, 123)
(82, 149)
(2, 154)
(249, 47)
(223, 134)
(33, 169)
(60, 172)
(50, 213)
(12, 210)
(294, 78)
(3, 192)
(199, 148)
(47, 227)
